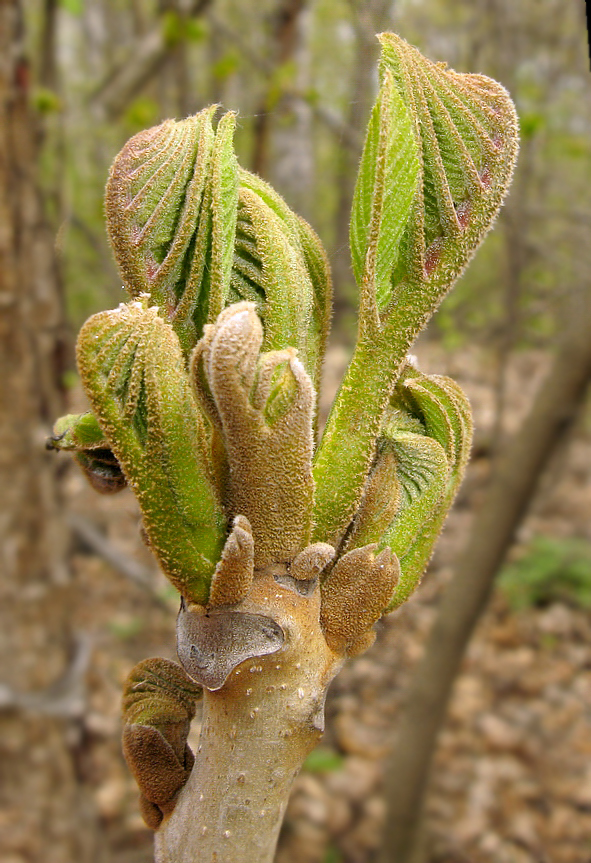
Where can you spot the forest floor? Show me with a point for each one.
(512, 779)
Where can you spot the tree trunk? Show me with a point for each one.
(292, 168)
(47, 819)
(507, 501)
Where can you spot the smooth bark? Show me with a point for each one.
(257, 730)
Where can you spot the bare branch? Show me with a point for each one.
(98, 543)
(65, 699)
(508, 499)
(147, 55)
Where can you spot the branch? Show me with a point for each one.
(509, 497)
(65, 699)
(147, 54)
(98, 543)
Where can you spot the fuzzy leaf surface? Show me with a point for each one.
(171, 203)
(384, 193)
(281, 266)
(132, 369)
(422, 452)
(263, 404)
(465, 130)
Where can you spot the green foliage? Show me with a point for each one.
(262, 403)
(142, 112)
(197, 233)
(173, 27)
(386, 186)
(281, 82)
(464, 130)
(227, 65)
(421, 454)
(177, 28)
(323, 760)
(78, 432)
(549, 570)
(74, 7)
(133, 372)
(232, 298)
(171, 204)
(46, 101)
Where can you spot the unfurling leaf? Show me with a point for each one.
(76, 432)
(171, 203)
(465, 141)
(198, 233)
(133, 372)
(81, 435)
(281, 266)
(264, 405)
(445, 412)
(421, 455)
(386, 186)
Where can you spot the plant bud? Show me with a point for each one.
(134, 374)
(265, 404)
(356, 593)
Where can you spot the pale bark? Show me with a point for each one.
(257, 730)
(510, 494)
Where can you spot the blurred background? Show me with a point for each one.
(81, 599)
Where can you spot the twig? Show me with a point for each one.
(65, 699)
(147, 55)
(98, 543)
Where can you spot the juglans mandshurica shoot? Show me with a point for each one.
(285, 547)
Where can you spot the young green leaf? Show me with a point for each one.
(465, 132)
(435, 397)
(208, 284)
(280, 265)
(133, 372)
(384, 193)
(77, 432)
(284, 281)
(422, 472)
(171, 202)
(264, 405)
(81, 435)
(422, 451)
